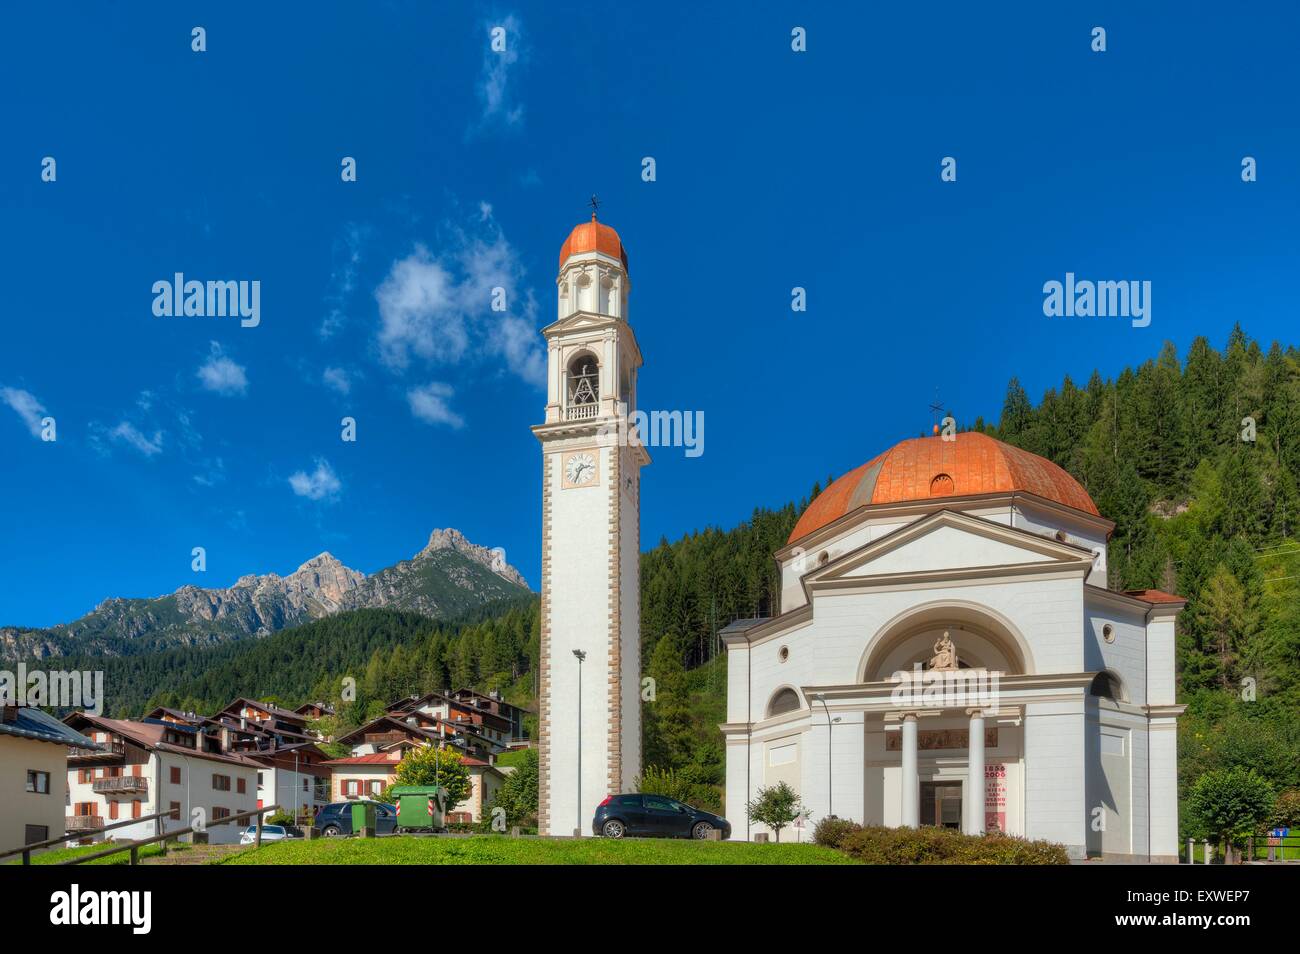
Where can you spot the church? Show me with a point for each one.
(946, 650)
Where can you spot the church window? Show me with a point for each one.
(785, 700)
(941, 486)
(1108, 633)
(1106, 685)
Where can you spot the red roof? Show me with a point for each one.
(377, 758)
(924, 468)
(1155, 596)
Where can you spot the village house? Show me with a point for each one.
(34, 749)
(140, 768)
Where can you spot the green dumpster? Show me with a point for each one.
(363, 817)
(420, 807)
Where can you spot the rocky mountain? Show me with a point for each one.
(448, 577)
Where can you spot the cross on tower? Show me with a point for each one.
(936, 409)
(595, 204)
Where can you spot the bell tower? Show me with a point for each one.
(590, 697)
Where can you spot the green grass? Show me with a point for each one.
(501, 850)
(513, 758)
(60, 855)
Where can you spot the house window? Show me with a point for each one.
(219, 813)
(84, 775)
(175, 808)
(35, 833)
(135, 808)
(241, 785)
(112, 809)
(38, 782)
(221, 783)
(176, 774)
(304, 783)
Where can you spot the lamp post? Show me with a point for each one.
(830, 753)
(581, 657)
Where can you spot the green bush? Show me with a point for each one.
(832, 831)
(679, 786)
(946, 846)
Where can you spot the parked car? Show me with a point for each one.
(269, 833)
(654, 816)
(336, 819)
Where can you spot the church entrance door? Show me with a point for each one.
(941, 804)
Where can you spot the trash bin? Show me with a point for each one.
(363, 817)
(420, 807)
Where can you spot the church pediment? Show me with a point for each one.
(948, 543)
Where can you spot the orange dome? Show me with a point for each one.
(927, 467)
(593, 236)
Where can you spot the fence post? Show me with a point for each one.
(1191, 855)
(1206, 843)
(257, 840)
(27, 856)
(135, 855)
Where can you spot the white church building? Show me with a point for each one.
(946, 651)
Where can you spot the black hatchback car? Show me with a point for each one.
(654, 816)
(336, 819)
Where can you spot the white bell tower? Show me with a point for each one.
(590, 719)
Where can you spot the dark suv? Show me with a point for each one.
(654, 816)
(336, 819)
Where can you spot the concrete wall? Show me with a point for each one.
(22, 808)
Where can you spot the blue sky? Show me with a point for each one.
(775, 169)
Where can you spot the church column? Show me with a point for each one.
(975, 774)
(911, 784)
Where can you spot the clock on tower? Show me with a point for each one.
(590, 696)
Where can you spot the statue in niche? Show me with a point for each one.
(945, 654)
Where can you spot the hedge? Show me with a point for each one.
(933, 846)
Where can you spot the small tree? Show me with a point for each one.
(518, 794)
(1229, 804)
(776, 806)
(430, 765)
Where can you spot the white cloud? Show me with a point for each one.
(494, 86)
(222, 375)
(440, 308)
(320, 484)
(127, 433)
(337, 379)
(26, 406)
(429, 403)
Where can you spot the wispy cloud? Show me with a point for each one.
(337, 379)
(320, 484)
(439, 308)
(502, 57)
(26, 406)
(222, 375)
(429, 404)
(343, 278)
(127, 433)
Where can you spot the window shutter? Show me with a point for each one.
(112, 810)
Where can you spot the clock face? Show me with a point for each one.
(580, 469)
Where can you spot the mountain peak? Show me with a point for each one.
(494, 559)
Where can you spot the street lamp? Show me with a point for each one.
(830, 753)
(581, 657)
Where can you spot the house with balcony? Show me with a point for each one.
(34, 749)
(469, 716)
(136, 769)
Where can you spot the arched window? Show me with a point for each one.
(584, 380)
(1107, 685)
(785, 700)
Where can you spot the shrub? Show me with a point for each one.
(776, 807)
(832, 831)
(946, 846)
(1286, 810)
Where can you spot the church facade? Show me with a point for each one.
(947, 652)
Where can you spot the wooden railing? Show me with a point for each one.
(83, 823)
(26, 850)
(120, 785)
(134, 846)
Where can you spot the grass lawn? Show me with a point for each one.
(60, 855)
(501, 850)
